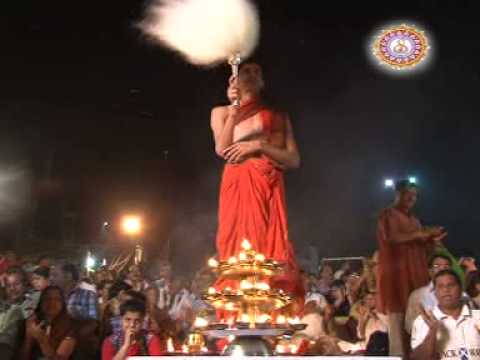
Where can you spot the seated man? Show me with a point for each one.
(314, 321)
(370, 320)
(81, 303)
(425, 296)
(450, 330)
(13, 312)
(132, 341)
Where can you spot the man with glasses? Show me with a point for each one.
(425, 296)
(13, 312)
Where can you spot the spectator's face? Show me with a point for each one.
(135, 274)
(338, 293)
(177, 285)
(310, 307)
(438, 265)
(327, 272)
(57, 277)
(52, 304)
(165, 272)
(11, 256)
(44, 263)
(132, 320)
(123, 297)
(306, 281)
(39, 282)
(352, 280)
(15, 287)
(106, 289)
(448, 292)
(155, 326)
(152, 297)
(370, 301)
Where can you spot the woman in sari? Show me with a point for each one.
(50, 333)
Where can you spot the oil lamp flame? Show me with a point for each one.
(246, 285)
(260, 258)
(200, 322)
(246, 245)
(263, 286)
(212, 263)
(262, 319)
(294, 321)
(244, 318)
(170, 347)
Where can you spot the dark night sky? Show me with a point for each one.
(102, 121)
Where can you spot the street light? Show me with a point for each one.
(132, 226)
(90, 262)
(389, 183)
(412, 180)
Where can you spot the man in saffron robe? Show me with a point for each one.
(257, 144)
(403, 266)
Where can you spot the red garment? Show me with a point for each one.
(402, 268)
(154, 348)
(252, 206)
(5, 264)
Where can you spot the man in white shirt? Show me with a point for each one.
(451, 330)
(425, 296)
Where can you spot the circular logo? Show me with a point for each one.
(401, 47)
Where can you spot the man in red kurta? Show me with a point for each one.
(403, 265)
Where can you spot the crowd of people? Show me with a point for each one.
(55, 310)
(52, 310)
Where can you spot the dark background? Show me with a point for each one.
(95, 122)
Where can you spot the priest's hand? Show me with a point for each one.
(233, 92)
(438, 239)
(240, 151)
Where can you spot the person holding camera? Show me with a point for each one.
(50, 332)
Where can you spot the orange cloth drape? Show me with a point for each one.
(402, 268)
(252, 206)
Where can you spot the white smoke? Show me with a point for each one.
(205, 32)
(14, 192)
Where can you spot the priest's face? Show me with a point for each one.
(250, 79)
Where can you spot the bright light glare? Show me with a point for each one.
(389, 183)
(90, 262)
(132, 225)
